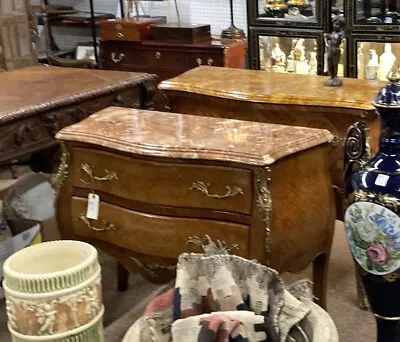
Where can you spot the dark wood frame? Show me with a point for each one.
(255, 20)
(353, 26)
(370, 37)
(255, 32)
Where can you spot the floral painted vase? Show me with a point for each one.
(372, 221)
(53, 293)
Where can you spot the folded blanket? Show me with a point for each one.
(226, 298)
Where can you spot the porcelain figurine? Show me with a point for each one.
(299, 49)
(386, 61)
(332, 42)
(278, 59)
(360, 62)
(313, 64)
(291, 65)
(372, 222)
(302, 67)
(371, 72)
(53, 293)
(262, 54)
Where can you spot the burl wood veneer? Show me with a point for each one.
(163, 178)
(286, 99)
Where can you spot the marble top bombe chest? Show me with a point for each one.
(166, 179)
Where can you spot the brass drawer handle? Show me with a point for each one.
(106, 226)
(210, 61)
(158, 55)
(118, 59)
(199, 61)
(120, 35)
(109, 175)
(231, 191)
(210, 247)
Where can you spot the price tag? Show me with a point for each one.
(93, 207)
(381, 180)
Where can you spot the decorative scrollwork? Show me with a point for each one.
(153, 269)
(109, 175)
(264, 204)
(209, 247)
(356, 147)
(26, 133)
(106, 226)
(59, 178)
(51, 123)
(386, 200)
(231, 191)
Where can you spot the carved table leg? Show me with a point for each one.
(147, 91)
(123, 277)
(361, 295)
(320, 278)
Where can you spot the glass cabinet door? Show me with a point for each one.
(374, 60)
(303, 13)
(372, 14)
(289, 54)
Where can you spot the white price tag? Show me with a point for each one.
(381, 180)
(93, 207)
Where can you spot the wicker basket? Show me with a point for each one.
(17, 48)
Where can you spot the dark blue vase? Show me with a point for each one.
(372, 220)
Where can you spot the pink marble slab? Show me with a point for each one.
(185, 136)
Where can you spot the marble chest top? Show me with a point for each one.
(185, 136)
(276, 88)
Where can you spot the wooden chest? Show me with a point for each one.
(163, 178)
(127, 29)
(286, 99)
(181, 33)
(169, 60)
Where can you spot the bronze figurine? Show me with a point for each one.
(332, 42)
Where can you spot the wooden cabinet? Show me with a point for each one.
(164, 178)
(169, 60)
(286, 99)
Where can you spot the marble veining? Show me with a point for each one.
(276, 88)
(191, 137)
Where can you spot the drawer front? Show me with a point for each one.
(166, 184)
(119, 54)
(152, 234)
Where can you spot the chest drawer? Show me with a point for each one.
(165, 184)
(169, 236)
(130, 55)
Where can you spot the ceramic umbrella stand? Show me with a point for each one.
(53, 293)
(372, 221)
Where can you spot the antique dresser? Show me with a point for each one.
(37, 101)
(287, 99)
(166, 179)
(170, 59)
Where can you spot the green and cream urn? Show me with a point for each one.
(53, 293)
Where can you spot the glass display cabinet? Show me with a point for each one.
(286, 51)
(288, 13)
(373, 15)
(373, 56)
